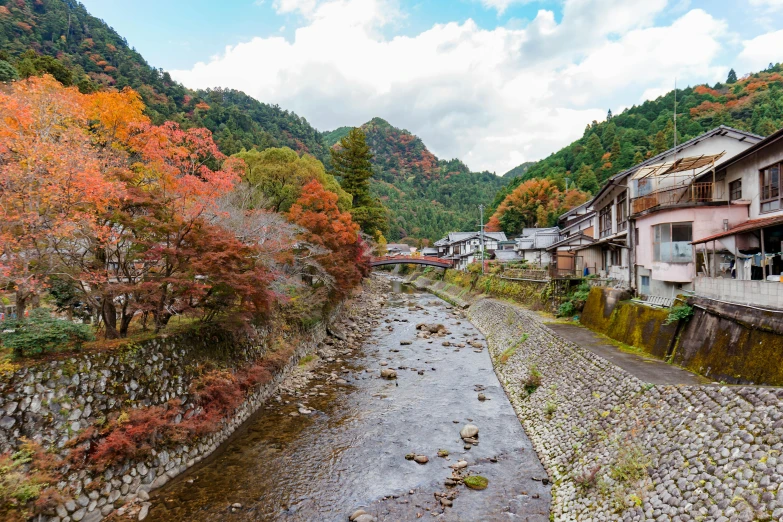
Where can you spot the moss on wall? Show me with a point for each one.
(736, 350)
(609, 312)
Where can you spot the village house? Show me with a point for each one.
(741, 260)
(574, 253)
(533, 243)
(645, 216)
(463, 248)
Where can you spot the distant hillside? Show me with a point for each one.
(426, 197)
(96, 56)
(753, 103)
(331, 138)
(519, 170)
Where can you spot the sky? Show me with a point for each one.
(491, 82)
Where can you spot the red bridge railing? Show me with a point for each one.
(416, 260)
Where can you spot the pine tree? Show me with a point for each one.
(609, 115)
(586, 180)
(352, 162)
(594, 150)
(732, 77)
(638, 157)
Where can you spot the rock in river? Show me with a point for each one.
(405, 343)
(469, 431)
(421, 459)
(388, 373)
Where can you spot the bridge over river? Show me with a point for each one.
(438, 262)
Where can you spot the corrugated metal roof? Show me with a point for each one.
(748, 226)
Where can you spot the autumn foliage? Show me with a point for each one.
(534, 203)
(334, 231)
(146, 221)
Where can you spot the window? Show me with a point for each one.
(770, 188)
(605, 221)
(672, 243)
(735, 190)
(636, 236)
(622, 212)
(645, 285)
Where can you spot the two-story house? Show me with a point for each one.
(533, 243)
(465, 247)
(675, 199)
(644, 215)
(741, 260)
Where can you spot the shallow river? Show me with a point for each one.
(350, 453)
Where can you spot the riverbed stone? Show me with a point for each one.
(469, 431)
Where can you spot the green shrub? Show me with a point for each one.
(41, 333)
(566, 309)
(681, 312)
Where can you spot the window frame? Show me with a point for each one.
(762, 188)
(605, 221)
(735, 189)
(622, 211)
(657, 240)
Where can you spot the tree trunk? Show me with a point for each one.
(109, 314)
(22, 300)
(125, 321)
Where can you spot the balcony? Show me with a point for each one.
(693, 193)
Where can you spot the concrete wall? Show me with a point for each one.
(766, 294)
(609, 312)
(706, 221)
(732, 343)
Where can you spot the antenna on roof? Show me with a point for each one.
(675, 118)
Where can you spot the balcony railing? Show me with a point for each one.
(693, 193)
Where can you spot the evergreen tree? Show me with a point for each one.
(7, 72)
(586, 180)
(594, 149)
(638, 157)
(352, 162)
(732, 77)
(609, 115)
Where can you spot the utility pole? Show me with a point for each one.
(675, 118)
(481, 228)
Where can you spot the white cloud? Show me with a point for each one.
(501, 5)
(758, 52)
(305, 7)
(768, 5)
(493, 98)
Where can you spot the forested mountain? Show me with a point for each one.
(90, 54)
(753, 103)
(426, 197)
(519, 170)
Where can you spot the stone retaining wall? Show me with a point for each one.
(51, 402)
(616, 448)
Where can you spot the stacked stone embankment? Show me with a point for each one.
(617, 448)
(54, 401)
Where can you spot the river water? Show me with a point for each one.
(350, 452)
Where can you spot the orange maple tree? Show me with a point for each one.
(535, 202)
(335, 232)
